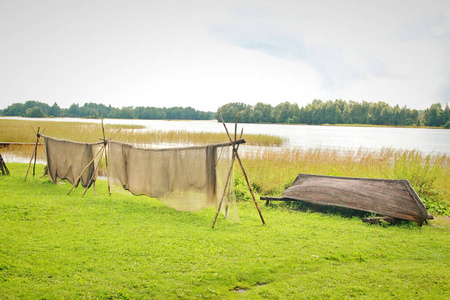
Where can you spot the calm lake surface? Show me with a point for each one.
(427, 141)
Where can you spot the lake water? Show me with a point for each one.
(430, 141)
(427, 141)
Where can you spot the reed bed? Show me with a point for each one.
(21, 131)
(152, 137)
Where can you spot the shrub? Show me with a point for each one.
(241, 189)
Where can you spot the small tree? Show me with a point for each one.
(447, 125)
(35, 112)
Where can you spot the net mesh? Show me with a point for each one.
(67, 159)
(186, 178)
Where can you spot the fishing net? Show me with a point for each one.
(186, 178)
(67, 159)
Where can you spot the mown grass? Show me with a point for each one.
(54, 246)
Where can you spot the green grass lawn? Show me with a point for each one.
(54, 246)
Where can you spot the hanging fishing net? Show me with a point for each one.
(66, 160)
(186, 178)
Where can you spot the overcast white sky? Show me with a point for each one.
(208, 53)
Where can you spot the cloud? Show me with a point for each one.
(262, 41)
(436, 27)
(434, 30)
(378, 69)
(443, 91)
(334, 66)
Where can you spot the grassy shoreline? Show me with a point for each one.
(272, 169)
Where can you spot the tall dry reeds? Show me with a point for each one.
(21, 131)
(275, 169)
(181, 137)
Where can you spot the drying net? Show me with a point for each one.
(67, 159)
(186, 179)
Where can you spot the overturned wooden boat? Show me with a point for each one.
(388, 197)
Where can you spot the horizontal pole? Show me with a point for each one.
(273, 199)
(19, 144)
(5, 144)
(238, 142)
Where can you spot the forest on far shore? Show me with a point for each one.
(35, 109)
(316, 113)
(337, 112)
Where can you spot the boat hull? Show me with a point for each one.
(388, 197)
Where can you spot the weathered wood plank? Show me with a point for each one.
(387, 197)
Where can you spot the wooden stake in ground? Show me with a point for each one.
(230, 173)
(103, 151)
(33, 155)
(3, 167)
(93, 174)
(105, 143)
(243, 171)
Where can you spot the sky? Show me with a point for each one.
(207, 53)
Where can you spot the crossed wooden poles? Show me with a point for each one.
(235, 144)
(234, 157)
(102, 151)
(34, 154)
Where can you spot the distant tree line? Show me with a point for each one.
(337, 112)
(35, 109)
(316, 113)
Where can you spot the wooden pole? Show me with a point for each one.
(235, 147)
(84, 170)
(115, 134)
(224, 192)
(3, 167)
(235, 128)
(245, 174)
(106, 157)
(93, 174)
(102, 148)
(33, 154)
(250, 188)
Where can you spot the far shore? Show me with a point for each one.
(71, 119)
